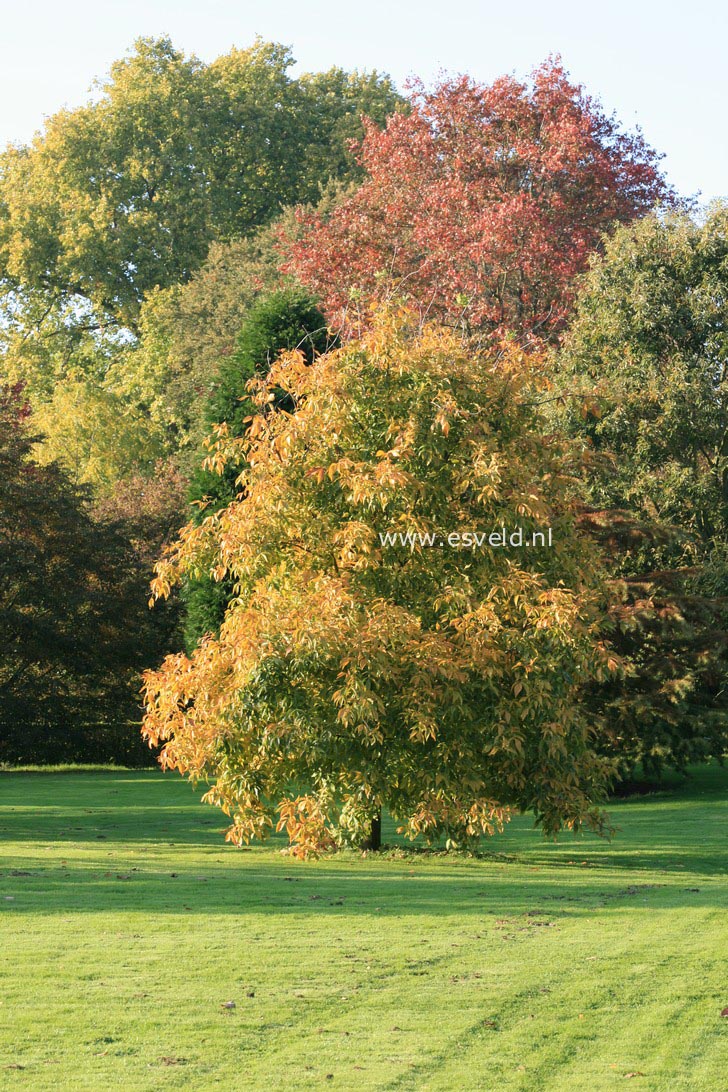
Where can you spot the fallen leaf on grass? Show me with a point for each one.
(724, 1012)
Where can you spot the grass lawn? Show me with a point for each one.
(127, 923)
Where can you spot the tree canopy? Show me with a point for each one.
(643, 371)
(648, 347)
(481, 204)
(283, 320)
(119, 202)
(73, 634)
(126, 194)
(440, 684)
(493, 312)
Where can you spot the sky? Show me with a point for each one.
(661, 66)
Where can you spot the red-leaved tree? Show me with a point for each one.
(481, 204)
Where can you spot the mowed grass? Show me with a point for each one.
(128, 923)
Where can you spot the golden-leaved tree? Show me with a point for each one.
(440, 683)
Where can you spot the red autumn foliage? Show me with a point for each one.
(482, 204)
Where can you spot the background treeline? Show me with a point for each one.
(160, 246)
(133, 240)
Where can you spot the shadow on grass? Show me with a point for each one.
(141, 841)
(352, 887)
(665, 836)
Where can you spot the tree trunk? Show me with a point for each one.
(374, 839)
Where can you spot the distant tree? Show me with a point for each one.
(280, 321)
(648, 347)
(119, 201)
(126, 194)
(148, 509)
(481, 205)
(187, 332)
(441, 684)
(74, 627)
(644, 373)
(96, 434)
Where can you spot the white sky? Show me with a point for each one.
(660, 65)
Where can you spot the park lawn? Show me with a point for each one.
(127, 923)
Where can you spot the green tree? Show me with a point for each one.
(120, 200)
(96, 434)
(644, 369)
(74, 626)
(189, 331)
(441, 684)
(126, 194)
(649, 346)
(281, 321)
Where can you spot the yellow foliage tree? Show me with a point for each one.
(348, 676)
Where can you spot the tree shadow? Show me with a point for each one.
(485, 892)
(141, 841)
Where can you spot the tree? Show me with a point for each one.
(482, 204)
(643, 368)
(438, 683)
(72, 636)
(126, 194)
(188, 332)
(118, 202)
(648, 348)
(148, 509)
(97, 435)
(277, 322)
